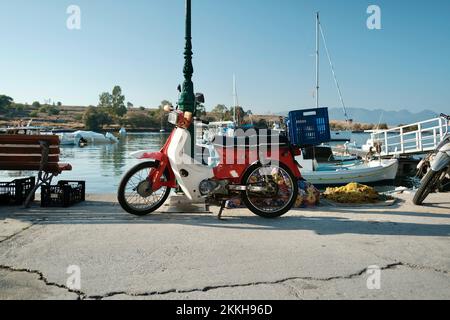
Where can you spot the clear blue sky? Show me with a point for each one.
(268, 44)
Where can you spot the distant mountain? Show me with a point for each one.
(392, 118)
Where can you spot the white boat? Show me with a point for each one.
(89, 137)
(67, 139)
(112, 138)
(26, 130)
(372, 172)
(122, 132)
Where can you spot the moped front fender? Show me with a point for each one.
(441, 160)
(163, 165)
(147, 155)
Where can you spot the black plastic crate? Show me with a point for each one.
(16, 191)
(65, 194)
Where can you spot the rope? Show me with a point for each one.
(334, 73)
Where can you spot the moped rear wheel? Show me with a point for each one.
(135, 193)
(271, 190)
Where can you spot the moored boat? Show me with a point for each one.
(371, 173)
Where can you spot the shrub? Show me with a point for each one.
(137, 120)
(52, 111)
(95, 118)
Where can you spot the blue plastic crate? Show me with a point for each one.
(309, 127)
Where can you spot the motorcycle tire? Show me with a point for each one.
(273, 214)
(123, 183)
(427, 186)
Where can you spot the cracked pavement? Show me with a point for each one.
(321, 253)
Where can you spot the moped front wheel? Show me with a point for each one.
(135, 194)
(271, 191)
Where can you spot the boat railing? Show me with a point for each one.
(419, 137)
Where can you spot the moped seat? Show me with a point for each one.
(252, 139)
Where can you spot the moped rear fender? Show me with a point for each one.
(441, 160)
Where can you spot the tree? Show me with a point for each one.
(5, 103)
(53, 111)
(105, 101)
(129, 105)
(113, 103)
(36, 105)
(59, 104)
(95, 118)
(240, 114)
(220, 108)
(118, 102)
(222, 112)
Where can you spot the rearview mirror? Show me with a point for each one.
(199, 98)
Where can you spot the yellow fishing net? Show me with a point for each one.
(352, 193)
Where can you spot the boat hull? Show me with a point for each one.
(371, 174)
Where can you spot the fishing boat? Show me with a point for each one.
(374, 172)
(323, 154)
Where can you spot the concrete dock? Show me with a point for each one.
(398, 252)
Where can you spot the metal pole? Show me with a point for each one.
(234, 99)
(317, 60)
(187, 97)
(186, 103)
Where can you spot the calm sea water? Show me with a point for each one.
(102, 166)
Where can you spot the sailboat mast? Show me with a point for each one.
(317, 59)
(234, 98)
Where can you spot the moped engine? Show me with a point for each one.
(208, 187)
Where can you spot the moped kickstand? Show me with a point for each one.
(222, 206)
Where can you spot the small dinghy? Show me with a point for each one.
(374, 172)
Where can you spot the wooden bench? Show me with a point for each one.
(32, 153)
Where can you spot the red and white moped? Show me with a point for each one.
(257, 166)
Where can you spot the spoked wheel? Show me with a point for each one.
(428, 185)
(271, 190)
(135, 193)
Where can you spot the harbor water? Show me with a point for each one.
(102, 166)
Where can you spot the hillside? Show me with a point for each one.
(392, 118)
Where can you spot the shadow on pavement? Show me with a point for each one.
(94, 213)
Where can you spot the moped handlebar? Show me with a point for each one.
(168, 108)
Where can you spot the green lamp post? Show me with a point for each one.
(187, 97)
(187, 102)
